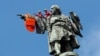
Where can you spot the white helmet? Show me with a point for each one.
(55, 10)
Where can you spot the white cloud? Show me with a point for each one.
(90, 44)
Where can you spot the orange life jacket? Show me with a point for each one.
(30, 24)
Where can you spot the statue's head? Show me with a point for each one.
(55, 10)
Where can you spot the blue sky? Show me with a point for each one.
(15, 40)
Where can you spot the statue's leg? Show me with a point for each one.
(65, 45)
(54, 39)
(51, 45)
(57, 47)
(54, 48)
(51, 48)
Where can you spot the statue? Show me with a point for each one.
(62, 31)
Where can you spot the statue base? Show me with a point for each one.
(69, 54)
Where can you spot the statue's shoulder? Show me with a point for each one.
(64, 16)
